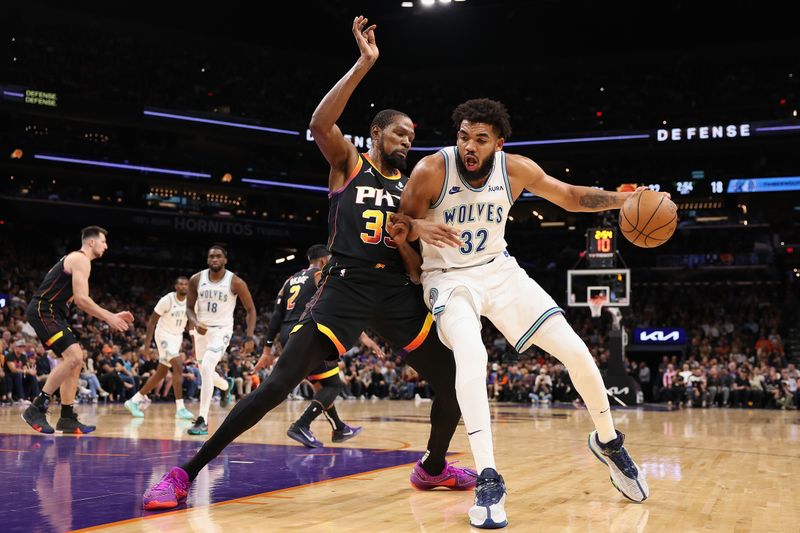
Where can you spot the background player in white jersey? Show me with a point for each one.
(212, 299)
(167, 323)
(460, 198)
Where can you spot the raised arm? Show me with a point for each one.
(241, 290)
(526, 174)
(338, 151)
(81, 267)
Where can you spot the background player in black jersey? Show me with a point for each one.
(67, 281)
(292, 299)
(366, 284)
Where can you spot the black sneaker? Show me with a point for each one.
(346, 433)
(37, 419)
(199, 428)
(72, 425)
(303, 436)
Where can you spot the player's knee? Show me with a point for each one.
(73, 359)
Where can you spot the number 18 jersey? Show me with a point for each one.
(358, 214)
(215, 300)
(478, 213)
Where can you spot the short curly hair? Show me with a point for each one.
(487, 111)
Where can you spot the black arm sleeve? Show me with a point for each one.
(276, 319)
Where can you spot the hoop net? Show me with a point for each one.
(596, 304)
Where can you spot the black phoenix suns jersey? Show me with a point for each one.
(297, 291)
(56, 289)
(358, 214)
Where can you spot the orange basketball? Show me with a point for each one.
(648, 219)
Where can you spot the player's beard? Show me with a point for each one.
(216, 268)
(478, 174)
(395, 160)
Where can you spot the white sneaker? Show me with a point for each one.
(490, 498)
(626, 476)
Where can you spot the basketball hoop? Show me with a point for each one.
(596, 304)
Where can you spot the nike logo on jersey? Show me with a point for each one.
(400, 186)
(473, 432)
(455, 190)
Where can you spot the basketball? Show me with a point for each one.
(648, 219)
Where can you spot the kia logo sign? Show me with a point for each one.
(659, 336)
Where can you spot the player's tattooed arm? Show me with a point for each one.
(596, 199)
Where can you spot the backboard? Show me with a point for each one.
(614, 283)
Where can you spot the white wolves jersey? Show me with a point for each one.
(480, 215)
(172, 313)
(215, 300)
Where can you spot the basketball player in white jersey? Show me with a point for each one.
(212, 299)
(459, 199)
(167, 323)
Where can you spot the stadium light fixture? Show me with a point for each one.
(427, 3)
(125, 166)
(188, 118)
(406, 4)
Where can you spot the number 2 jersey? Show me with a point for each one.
(478, 213)
(358, 214)
(292, 299)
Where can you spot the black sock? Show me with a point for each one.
(312, 412)
(306, 349)
(66, 411)
(42, 401)
(333, 416)
(434, 465)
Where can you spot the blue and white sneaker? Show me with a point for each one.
(490, 498)
(626, 476)
(303, 436)
(133, 407)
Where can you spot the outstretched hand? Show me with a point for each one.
(398, 227)
(365, 38)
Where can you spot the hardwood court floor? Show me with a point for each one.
(708, 470)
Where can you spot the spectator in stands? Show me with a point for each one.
(719, 386)
(740, 392)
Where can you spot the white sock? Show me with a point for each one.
(461, 327)
(557, 338)
(179, 404)
(137, 398)
(207, 373)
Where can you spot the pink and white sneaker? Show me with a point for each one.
(169, 491)
(452, 477)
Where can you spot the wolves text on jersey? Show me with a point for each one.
(478, 212)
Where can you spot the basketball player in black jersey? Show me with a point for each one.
(366, 284)
(292, 299)
(48, 310)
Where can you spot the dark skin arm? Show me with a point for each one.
(241, 290)
(148, 336)
(398, 228)
(191, 301)
(338, 151)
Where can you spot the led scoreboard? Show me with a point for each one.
(601, 247)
